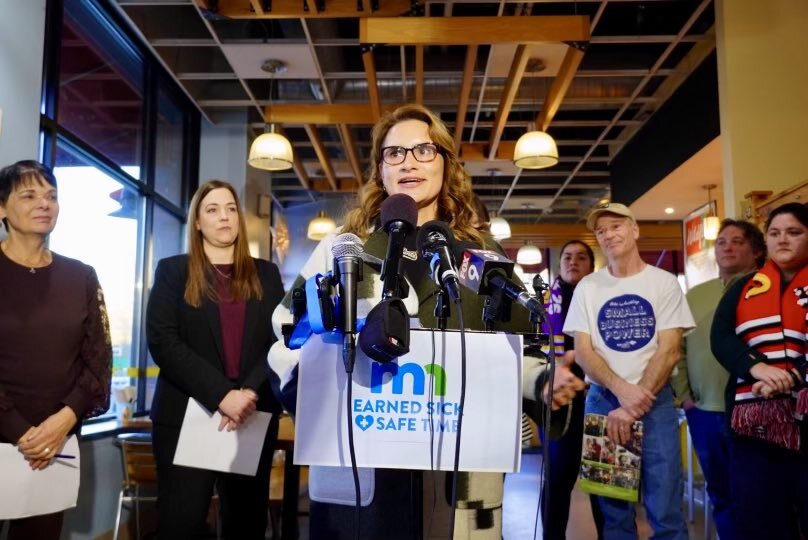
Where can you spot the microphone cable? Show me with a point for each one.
(349, 354)
(456, 464)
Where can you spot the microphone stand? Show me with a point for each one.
(497, 308)
(442, 309)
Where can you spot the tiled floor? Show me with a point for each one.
(522, 498)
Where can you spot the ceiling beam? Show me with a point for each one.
(373, 88)
(294, 9)
(561, 83)
(350, 150)
(465, 91)
(343, 113)
(518, 65)
(473, 30)
(257, 8)
(322, 155)
(419, 74)
(653, 236)
(297, 164)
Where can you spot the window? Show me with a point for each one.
(123, 141)
(99, 221)
(101, 86)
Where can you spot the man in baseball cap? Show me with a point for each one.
(628, 319)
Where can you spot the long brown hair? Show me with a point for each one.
(245, 284)
(456, 198)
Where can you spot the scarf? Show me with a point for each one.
(771, 320)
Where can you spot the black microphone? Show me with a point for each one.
(435, 241)
(483, 270)
(347, 251)
(399, 214)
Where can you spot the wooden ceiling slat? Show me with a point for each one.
(419, 74)
(297, 164)
(350, 150)
(465, 91)
(653, 236)
(373, 88)
(322, 155)
(257, 7)
(473, 30)
(561, 83)
(515, 74)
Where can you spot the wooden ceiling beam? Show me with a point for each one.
(373, 88)
(350, 150)
(561, 83)
(257, 7)
(297, 164)
(515, 74)
(419, 74)
(345, 113)
(653, 236)
(322, 154)
(465, 91)
(293, 9)
(473, 30)
(344, 185)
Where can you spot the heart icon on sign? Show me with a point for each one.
(364, 421)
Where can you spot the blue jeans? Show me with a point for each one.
(712, 446)
(661, 475)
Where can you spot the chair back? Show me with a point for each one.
(138, 461)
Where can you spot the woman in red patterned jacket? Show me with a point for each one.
(759, 336)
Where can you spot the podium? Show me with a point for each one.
(405, 412)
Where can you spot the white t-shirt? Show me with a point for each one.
(624, 315)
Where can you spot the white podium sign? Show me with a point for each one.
(405, 412)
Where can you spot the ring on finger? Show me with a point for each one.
(47, 450)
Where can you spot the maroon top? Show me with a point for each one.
(54, 344)
(231, 321)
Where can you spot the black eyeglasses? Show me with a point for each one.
(423, 153)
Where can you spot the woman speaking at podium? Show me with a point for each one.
(412, 152)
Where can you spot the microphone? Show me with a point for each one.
(435, 240)
(347, 251)
(484, 271)
(399, 214)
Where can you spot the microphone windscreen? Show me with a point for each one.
(431, 229)
(347, 245)
(386, 334)
(399, 207)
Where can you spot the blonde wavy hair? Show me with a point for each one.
(456, 198)
(245, 284)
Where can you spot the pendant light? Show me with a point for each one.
(271, 151)
(500, 228)
(711, 223)
(535, 149)
(320, 226)
(528, 255)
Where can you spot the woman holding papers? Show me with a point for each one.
(55, 352)
(758, 335)
(208, 328)
(412, 152)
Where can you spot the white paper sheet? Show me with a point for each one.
(202, 446)
(25, 493)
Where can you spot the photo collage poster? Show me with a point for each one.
(607, 468)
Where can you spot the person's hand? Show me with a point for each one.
(635, 399)
(618, 425)
(238, 405)
(227, 423)
(688, 404)
(42, 442)
(565, 386)
(778, 380)
(568, 359)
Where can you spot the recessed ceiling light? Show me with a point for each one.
(669, 210)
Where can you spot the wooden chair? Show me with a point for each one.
(139, 470)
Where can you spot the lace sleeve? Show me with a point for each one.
(90, 396)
